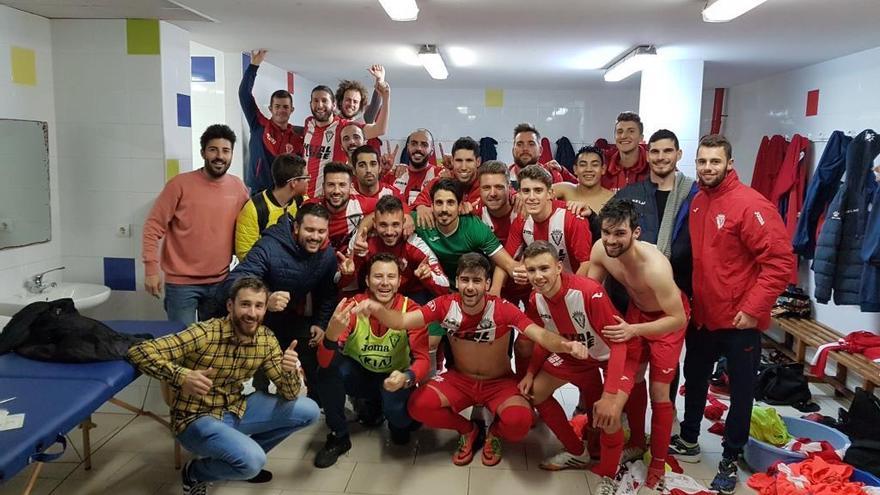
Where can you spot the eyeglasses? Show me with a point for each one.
(299, 177)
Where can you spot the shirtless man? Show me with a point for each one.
(478, 326)
(589, 169)
(657, 313)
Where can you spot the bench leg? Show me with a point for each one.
(86, 426)
(32, 479)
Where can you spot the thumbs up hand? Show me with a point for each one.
(198, 382)
(290, 359)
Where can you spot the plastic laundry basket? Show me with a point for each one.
(761, 455)
(864, 477)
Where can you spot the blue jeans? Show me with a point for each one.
(182, 302)
(345, 375)
(235, 449)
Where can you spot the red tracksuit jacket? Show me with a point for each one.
(742, 254)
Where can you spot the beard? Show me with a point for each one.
(245, 325)
(216, 168)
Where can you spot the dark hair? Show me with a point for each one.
(447, 184)
(526, 127)
(663, 134)
(286, 167)
(474, 261)
(323, 88)
(313, 209)
(631, 117)
(217, 131)
(536, 173)
(717, 141)
(364, 148)
(381, 258)
(466, 143)
(618, 211)
(496, 167)
(538, 248)
(281, 94)
(346, 85)
(253, 283)
(389, 204)
(420, 129)
(592, 149)
(337, 168)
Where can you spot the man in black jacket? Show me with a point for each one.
(291, 258)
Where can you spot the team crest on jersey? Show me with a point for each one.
(394, 340)
(288, 148)
(580, 318)
(719, 220)
(355, 220)
(556, 235)
(329, 135)
(485, 323)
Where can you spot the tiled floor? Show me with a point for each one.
(134, 456)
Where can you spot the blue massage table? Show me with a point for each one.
(56, 397)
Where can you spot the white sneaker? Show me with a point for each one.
(607, 486)
(631, 454)
(566, 460)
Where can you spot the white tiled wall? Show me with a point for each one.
(582, 116)
(176, 79)
(848, 101)
(31, 103)
(111, 148)
(208, 100)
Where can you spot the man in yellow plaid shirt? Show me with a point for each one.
(206, 365)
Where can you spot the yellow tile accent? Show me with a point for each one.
(494, 98)
(24, 66)
(172, 168)
(142, 36)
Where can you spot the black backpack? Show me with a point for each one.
(860, 422)
(784, 385)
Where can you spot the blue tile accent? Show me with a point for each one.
(184, 111)
(119, 273)
(245, 61)
(203, 69)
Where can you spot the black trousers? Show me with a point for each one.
(742, 349)
(308, 356)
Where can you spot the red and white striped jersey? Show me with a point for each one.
(567, 232)
(384, 190)
(344, 223)
(411, 182)
(410, 253)
(492, 324)
(322, 145)
(500, 226)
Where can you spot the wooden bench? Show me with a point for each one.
(801, 333)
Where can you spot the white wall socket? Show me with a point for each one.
(123, 230)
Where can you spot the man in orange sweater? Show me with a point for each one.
(195, 216)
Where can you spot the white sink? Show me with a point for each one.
(84, 296)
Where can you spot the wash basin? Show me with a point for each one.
(84, 296)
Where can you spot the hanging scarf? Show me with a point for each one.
(679, 193)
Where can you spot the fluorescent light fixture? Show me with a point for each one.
(629, 64)
(433, 62)
(401, 10)
(409, 55)
(559, 111)
(595, 58)
(727, 10)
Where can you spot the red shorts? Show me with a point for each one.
(584, 374)
(463, 391)
(663, 352)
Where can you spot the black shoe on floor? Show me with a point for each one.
(399, 436)
(330, 452)
(262, 477)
